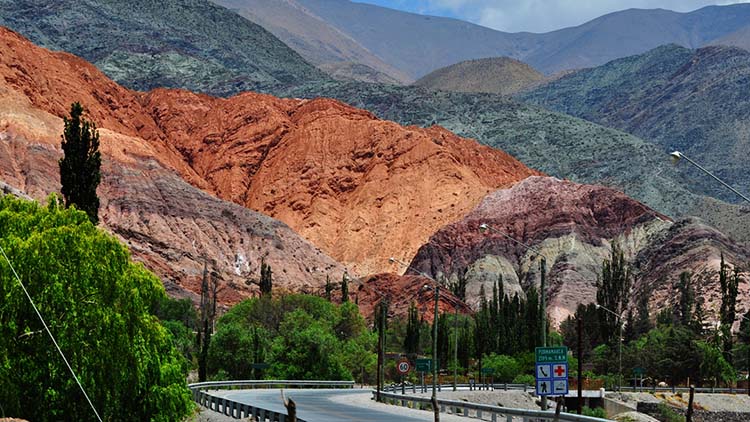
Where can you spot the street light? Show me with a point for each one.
(748, 359)
(435, 407)
(619, 319)
(677, 156)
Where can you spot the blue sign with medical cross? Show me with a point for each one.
(551, 377)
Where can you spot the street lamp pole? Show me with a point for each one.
(436, 288)
(619, 319)
(748, 358)
(677, 156)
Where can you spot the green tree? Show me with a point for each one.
(612, 293)
(97, 303)
(728, 312)
(505, 368)
(413, 325)
(458, 287)
(643, 320)
(80, 166)
(686, 299)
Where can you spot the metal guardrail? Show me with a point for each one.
(472, 387)
(653, 389)
(238, 410)
(480, 411)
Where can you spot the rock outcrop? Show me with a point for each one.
(573, 227)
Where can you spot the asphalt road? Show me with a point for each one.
(317, 405)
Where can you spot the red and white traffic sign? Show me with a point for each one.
(403, 366)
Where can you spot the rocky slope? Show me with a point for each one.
(557, 144)
(318, 42)
(362, 189)
(147, 44)
(574, 227)
(400, 292)
(169, 225)
(501, 75)
(694, 101)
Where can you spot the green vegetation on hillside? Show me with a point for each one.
(694, 101)
(146, 44)
(97, 304)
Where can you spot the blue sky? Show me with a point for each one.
(535, 15)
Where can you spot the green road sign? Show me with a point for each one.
(261, 366)
(638, 371)
(551, 354)
(424, 365)
(488, 370)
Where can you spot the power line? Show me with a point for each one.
(50, 334)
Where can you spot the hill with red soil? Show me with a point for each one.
(359, 188)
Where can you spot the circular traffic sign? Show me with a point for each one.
(403, 366)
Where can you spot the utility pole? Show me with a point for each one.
(455, 350)
(435, 406)
(580, 364)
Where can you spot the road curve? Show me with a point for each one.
(327, 405)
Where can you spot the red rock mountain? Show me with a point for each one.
(360, 188)
(574, 227)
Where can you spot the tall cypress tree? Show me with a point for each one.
(612, 293)
(344, 289)
(81, 163)
(729, 288)
(411, 341)
(266, 278)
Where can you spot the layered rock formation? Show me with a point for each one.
(360, 188)
(168, 224)
(573, 227)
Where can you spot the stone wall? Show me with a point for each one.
(652, 409)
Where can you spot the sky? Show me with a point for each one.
(535, 15)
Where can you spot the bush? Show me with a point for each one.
(524, 379)
(505, 367)
(596, 412)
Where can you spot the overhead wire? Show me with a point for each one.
(46, 328)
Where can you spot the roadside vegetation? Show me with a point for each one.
(97, 304)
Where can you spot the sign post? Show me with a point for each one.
(403, 368)
(423, 365)
(551, 371)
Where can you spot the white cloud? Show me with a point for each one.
(548, 15)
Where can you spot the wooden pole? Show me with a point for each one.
(689, 415)
(580, 365)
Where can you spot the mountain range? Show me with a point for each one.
(417, 45)
(694, 101)
(250, 149)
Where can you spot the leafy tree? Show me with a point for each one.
(97, 303)
(729, 287)
(713, 366)
(411, 340)
(80, 166)
(458, 287)
(307, 337)
(686, 299)
(505, 368)
(612, 293)
(209, 289)
(629, 334)
(643, 320)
